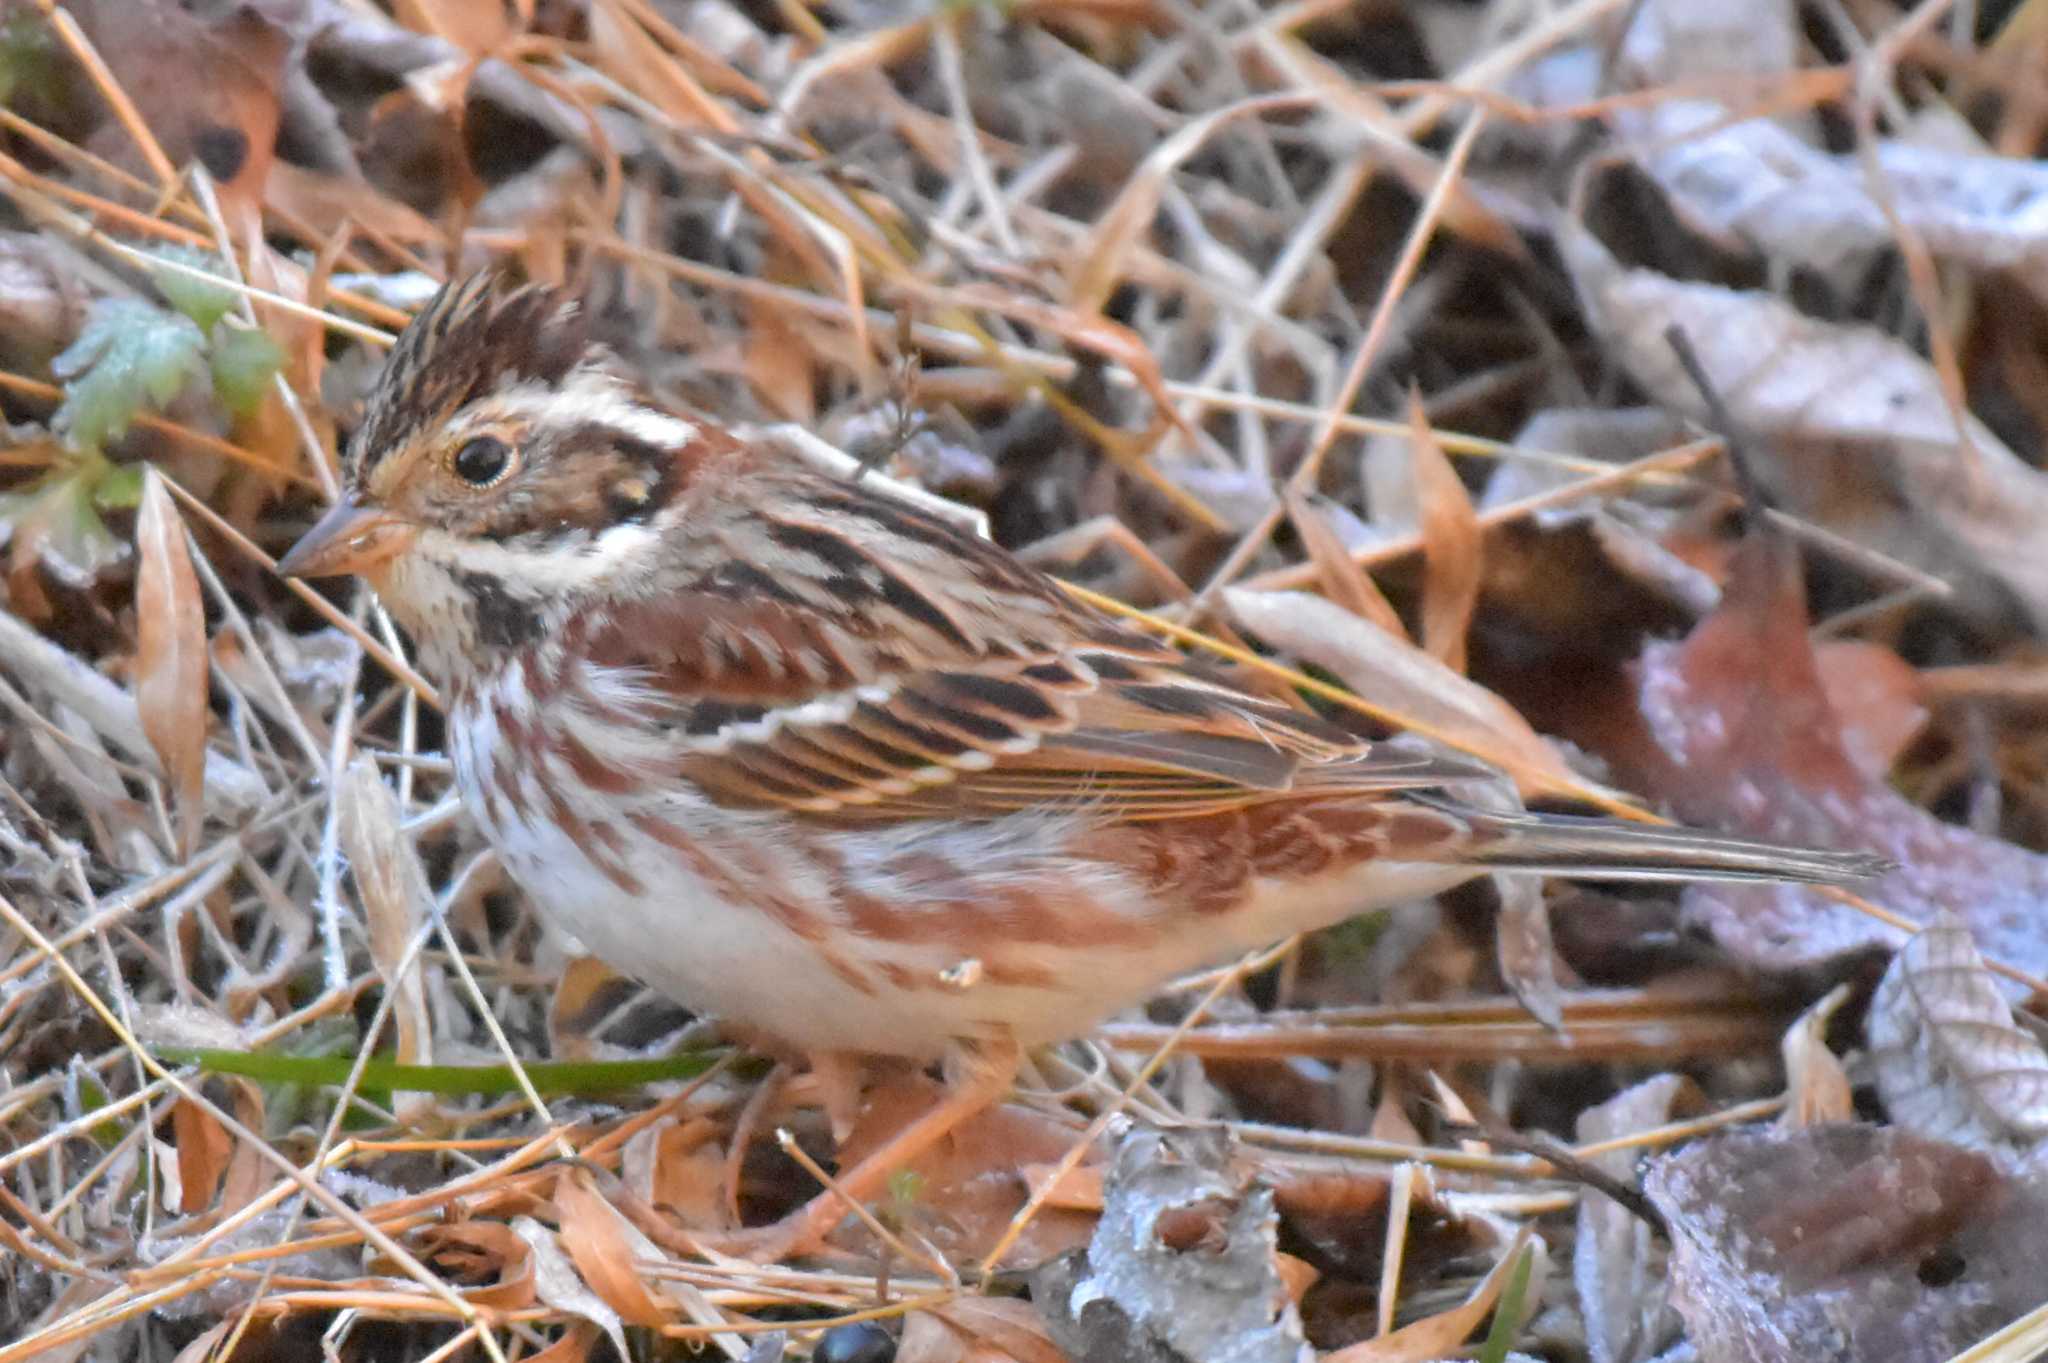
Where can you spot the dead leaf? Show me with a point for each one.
(1816, 1086)
(1852, 1243)
(204, 1146)
(395, 898)
(227, 121)
(1438, 1336)
(1877, 696)
(779, 364)
(1101, 263)
(1851, 427)
(1343, 579)
(1951, 1063)
(1182, 1261)
(486, 1261)
(604, 1246)
(324, 202)
(1523, 946)
(971, 1183)
(171, 672)
(478, 27)
(1618, 1266)
(1728, 742)
(1407, 687)
(1452, 545)
(1005, 1324)
(556, 1283)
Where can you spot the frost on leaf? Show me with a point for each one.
(1181, 1264)
(1950, 1062)
(1739, 734)
(201, 300)
(55, 520)
(1853, 1243)
(243, 362)
(129, 354)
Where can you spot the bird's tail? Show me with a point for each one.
(1604, 849)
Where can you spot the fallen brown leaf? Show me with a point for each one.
(171, 671)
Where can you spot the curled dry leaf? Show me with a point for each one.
(556, 1283)
(1950, 1062)
(1816, 1085)
(1451, 544)
(1181, 1264)
(171, 662)
(487, 1261)
(1524, 949)
(393, 889)
(1410, 688)
(1861, 437)
(604, 1247)
(1852, 1243)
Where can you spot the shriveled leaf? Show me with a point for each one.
(1181, 1264)
(171, 668)
(1816, 1084)
(243, 362)
(395, 898)
(1848, 1242)
(1344, 581)
(131, 353)
(1451, 544)
(1950, 1061)
(485, 1260)
(557, 1285)
(1408, 687)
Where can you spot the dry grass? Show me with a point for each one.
(1192, 301)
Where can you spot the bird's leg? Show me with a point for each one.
(758, 1104)
(985, 1075)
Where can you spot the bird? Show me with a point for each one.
(809, 757)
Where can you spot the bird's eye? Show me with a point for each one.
(482, 461)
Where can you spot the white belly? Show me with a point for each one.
(695, 927)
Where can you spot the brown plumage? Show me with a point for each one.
(823, 762)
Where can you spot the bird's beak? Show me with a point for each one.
(348, 539)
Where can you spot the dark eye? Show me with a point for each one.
(482, 461)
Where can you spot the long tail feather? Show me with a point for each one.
(1602, 849)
